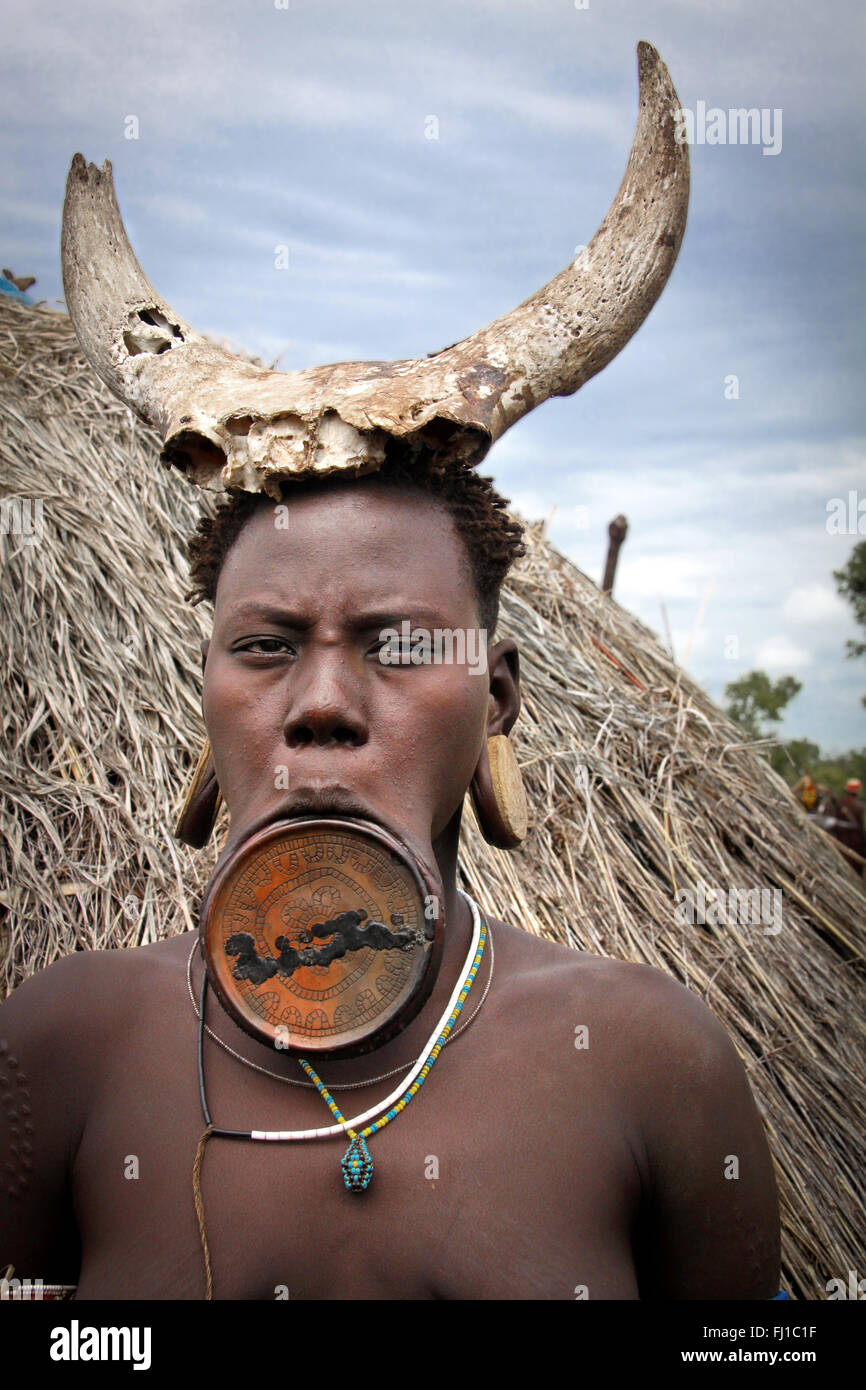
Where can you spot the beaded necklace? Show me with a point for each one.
(356, 1165)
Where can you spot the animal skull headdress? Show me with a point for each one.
(226, 421)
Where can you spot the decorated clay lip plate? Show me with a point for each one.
(322, 935)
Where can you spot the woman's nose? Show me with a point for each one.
(326, 706)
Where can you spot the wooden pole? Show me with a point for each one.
(617, 531)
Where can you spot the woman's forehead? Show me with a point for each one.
(377, 540)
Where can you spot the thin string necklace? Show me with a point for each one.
(357, 1166)
(341, 1085)
(476, 948)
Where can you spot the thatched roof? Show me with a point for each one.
(638, 785)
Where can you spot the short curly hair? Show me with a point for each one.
(493, 539)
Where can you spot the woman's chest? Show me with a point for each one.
(472, 1197)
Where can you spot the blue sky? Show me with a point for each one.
(307, 126)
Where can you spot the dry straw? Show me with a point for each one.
(638, 785)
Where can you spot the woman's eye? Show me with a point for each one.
(266, 646)
(391, 653)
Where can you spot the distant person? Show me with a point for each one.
(806, 791)
(850, 830)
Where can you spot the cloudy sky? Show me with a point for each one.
(237, 127)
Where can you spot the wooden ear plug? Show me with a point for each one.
(201, 803)
(498, 795)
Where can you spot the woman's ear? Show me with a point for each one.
(496, 787)
(503, 666)
(201, 803)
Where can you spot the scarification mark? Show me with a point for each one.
(16, 1105)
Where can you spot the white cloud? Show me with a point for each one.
(688, 642)
(535, 506)
(779, 653)
(25, 210)
(815, 603)
(178, 211)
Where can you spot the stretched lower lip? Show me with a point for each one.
(315, 809)
(326, 813)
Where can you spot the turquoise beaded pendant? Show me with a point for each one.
(357, 1165)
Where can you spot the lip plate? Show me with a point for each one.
(363, 1038)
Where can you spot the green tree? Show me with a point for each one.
(851, 583)
(794, 758)
(755, 698)
(833, 771)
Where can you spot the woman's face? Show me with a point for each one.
(302, 713)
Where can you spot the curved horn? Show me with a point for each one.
(577, 323)
(227, 420)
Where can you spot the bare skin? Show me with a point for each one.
(529, 1167)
